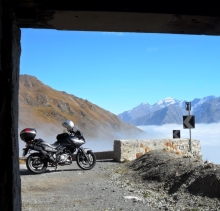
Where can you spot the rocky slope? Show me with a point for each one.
(171, 182)
(45, 108)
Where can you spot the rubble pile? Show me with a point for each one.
(168, 181)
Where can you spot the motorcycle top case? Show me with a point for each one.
(28, 134)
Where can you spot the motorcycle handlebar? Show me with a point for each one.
(71, 131)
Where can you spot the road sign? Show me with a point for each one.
(189, 121)
(176, 133)
(188, 106)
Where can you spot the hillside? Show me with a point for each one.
(45, 109)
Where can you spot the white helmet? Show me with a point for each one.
(68, 125)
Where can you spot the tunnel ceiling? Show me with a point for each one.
(167, 16)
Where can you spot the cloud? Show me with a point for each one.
(47, 132)
(207, 134)
(104, 140)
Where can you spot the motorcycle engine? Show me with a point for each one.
(64, 159)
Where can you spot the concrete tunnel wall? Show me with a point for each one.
(10, 50)
(10, 187)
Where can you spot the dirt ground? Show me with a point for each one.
(156, 181)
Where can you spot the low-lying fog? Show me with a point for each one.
(208, 134)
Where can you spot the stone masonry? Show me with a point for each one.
(127, 150)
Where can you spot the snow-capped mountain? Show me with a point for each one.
(170, 110)
(146, 109)
(139, 111)
(196, 103)
(166, 102)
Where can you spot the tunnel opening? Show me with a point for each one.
(187, 18)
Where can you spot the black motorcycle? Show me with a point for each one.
(59, 153)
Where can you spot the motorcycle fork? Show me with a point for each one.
(82, 150)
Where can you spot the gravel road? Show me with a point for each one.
(71, 188)
(156, 181)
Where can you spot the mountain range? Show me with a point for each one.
(170, 110)
(45, 108)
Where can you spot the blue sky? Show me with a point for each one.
(118, 71)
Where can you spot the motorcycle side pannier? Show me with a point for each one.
(28, 134)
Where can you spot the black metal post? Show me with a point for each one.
(190, 142)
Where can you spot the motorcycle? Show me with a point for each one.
(60, 153)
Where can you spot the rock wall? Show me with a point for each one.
(127, 150)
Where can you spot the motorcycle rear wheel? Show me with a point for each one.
(35, 164)
(82, 161)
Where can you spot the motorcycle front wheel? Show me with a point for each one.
(36, 164)
(82, 161)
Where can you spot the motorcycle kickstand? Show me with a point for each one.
(55, 167)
